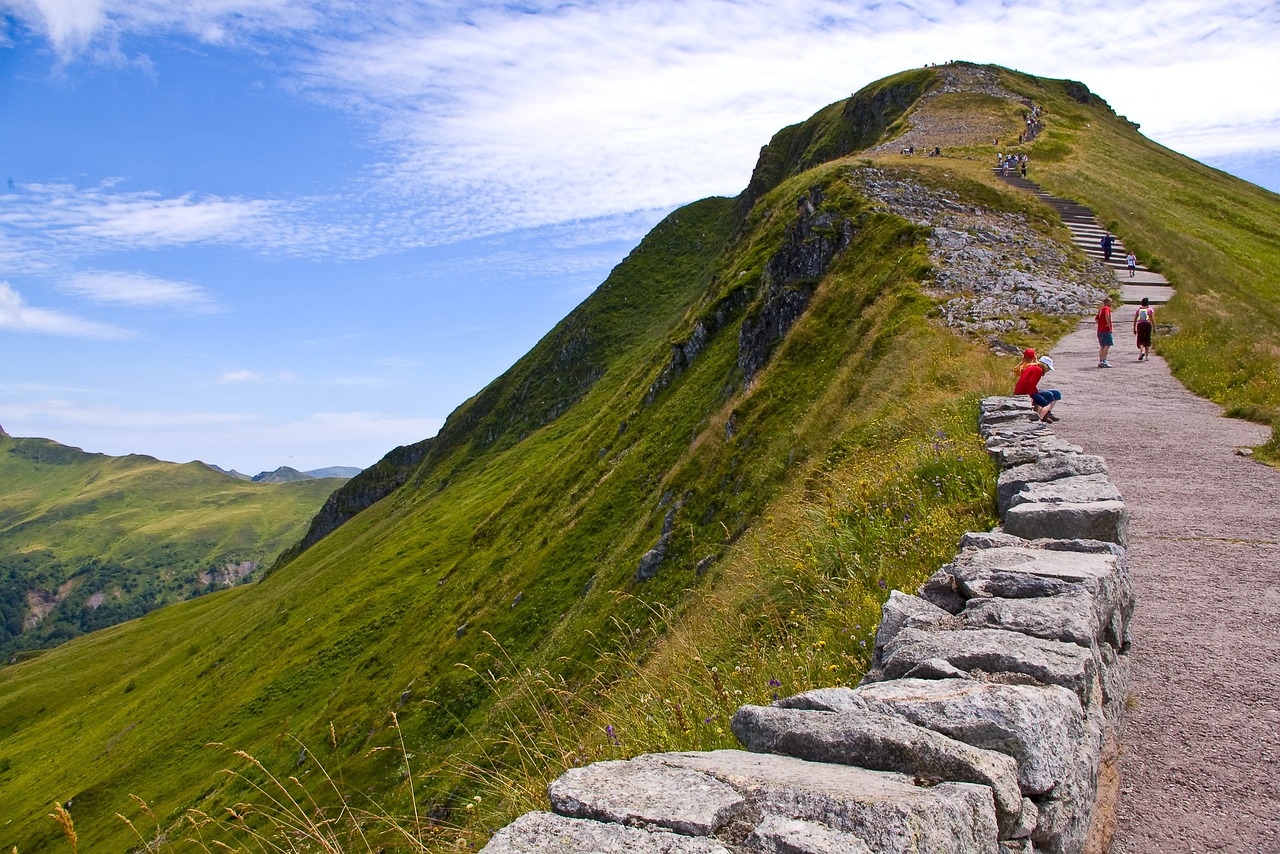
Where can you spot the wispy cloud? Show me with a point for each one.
(495, 117)
(17, 316)
(246, 376)
(141, 291)
(245, 441)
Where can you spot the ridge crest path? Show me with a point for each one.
(1200, 744)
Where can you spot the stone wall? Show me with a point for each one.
(986, 723)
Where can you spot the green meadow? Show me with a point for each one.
(97, 540)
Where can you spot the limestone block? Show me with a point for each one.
(895, 613)
(881, 742)
(537, 832)
(1098, 520)
(646, 793)
(1012, 481)
(885, 810)
(1070, 618)
(1040, 727)
(996, 651)
(1084, 489)
(779, 835)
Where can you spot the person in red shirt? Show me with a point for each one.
(1105, 338)
(1029, 384)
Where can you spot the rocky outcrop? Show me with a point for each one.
(992, 268)
(790, 276)
(986, 723)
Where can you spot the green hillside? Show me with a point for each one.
(694, 492)
(88, 540)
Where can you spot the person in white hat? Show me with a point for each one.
(1029, 384)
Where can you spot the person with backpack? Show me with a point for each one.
(1028, 383)
(1132, 263)
(1105, 337)
(1144, 320)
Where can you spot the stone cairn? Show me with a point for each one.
(986, 723)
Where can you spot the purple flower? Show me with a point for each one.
(612, 735)
(774, 683)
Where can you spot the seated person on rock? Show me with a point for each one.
(1028, 384)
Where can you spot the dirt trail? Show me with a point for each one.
(1201, 743)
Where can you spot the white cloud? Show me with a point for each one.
(246, 376)
(494, 117)
(17, 316)
(140, 290)
(247, 442)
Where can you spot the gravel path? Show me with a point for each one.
(1200, 765)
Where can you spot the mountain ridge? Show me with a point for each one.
(631, 490)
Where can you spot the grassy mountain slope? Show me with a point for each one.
(88, 540)
(693, 492)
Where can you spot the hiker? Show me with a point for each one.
(1028, 383)
(1028, 358)
(1105, 330)
(1131, 261)
(1144, 320)
(1024, 167)
(1107, 240)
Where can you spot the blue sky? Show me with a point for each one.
(300, 232)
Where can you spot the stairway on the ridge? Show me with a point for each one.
(1087, 235)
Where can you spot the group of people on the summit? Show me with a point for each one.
(1033, 369)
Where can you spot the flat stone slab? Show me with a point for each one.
(996, 651)
(1070, 618)
(887, 811)
(1023, 572)
(1083, 489)
(880, 742)
(646, 794)
(779, 835)
(1040, 727)
(1014, 480)
(1099, 520)
(539, 832)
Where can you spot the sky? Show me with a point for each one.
(301, 232)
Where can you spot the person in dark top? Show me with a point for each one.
(1107, 240)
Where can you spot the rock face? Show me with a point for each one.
(813, 240)
(981, 726)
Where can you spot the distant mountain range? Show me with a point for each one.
(90, 540)
(285, 474)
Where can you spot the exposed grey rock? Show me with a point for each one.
(895, 613)
(935, 668)
(1042, 568)
(885, 810)
(646, 793)
(1014, 480)
(1028, 821)
(1085, 489)
(536, 832)
(1040, 727)
(1099, 520)
(996, 651)
(881, 742)
(779, 835)
(1070, 617)
(1028, 447)
(991, 540)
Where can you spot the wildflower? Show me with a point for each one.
(774, 683)
(882, 584)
